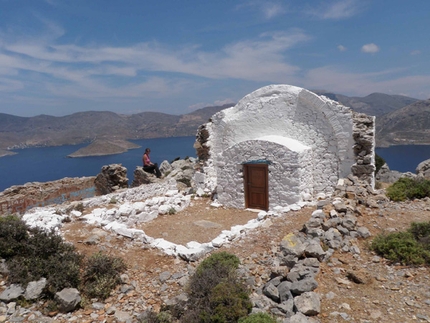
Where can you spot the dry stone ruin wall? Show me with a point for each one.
(364, 147)
(309, 142)
(20, 198)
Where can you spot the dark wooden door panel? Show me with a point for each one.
(256, 186)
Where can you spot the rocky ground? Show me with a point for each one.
(376, 291)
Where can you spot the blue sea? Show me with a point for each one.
(404, 158)
(51, 163)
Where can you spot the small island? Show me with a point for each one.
(4, 152)
(102, 147)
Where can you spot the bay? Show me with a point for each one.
(51, 163)
(404, 158)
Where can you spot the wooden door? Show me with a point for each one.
(256, 181)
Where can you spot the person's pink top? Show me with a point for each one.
(146, 160)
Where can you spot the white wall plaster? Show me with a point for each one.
(307, 138)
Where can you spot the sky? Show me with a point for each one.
(59, 57)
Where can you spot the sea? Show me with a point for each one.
(51, 163)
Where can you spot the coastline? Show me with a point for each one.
(103, 147)
(4, 152)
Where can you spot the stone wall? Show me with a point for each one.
(364, 147)
(335, 137)
(20, 198)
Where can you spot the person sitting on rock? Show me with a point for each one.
(148, 166)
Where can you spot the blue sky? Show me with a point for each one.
(58, 57)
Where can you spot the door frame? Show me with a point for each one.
(246, 168)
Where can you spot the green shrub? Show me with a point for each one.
(220, 259)
(420, 230)
(378, 185)
(32, 253)
(407, 188)
(401, 247)
(101, 274)
(258, 318)
(421, 233)
(13, 236)
(379, 162)
(79, 207)
(229, 301)
(212, 271)
(215, 292)
(186, 181)
(172, 211)
(153, 317)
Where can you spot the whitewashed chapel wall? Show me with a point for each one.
(292, 179)
(231, 138)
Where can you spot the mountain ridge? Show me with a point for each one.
(85, 127)
(104, 127)
(407, 125)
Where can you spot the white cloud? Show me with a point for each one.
(341, 48)
(333, 79)
(225, 101)
(269, 9)
(416, 52)
(370, 48)
(255, 60)
(8, 85)
(215, 103)
(340, 9)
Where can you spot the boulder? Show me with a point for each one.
(303, 286)
(165, 167)
(13, 292)
(111, 178)
(292, 245)
(34, 289)
(272, 292)
(68, 299)
(142, 177)
(385, 175)
(423, 169)
(308, 303)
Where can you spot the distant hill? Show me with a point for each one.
(82, 127)
(375, 104)
(400, 119)
(405, 126)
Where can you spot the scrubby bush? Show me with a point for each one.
(215, 292)
(258, 318)
(379, 162)
(408, 188)
(101, 274)
(410, 248)
(186, 181)
(153, 317)
(222, 260)
(13, 236)
(229, 301)
(32, 253)
(421, 232)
